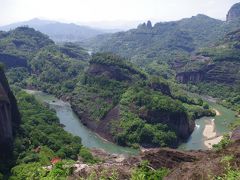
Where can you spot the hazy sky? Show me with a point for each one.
(110, 10)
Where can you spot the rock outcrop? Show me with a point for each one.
(111, 72)
(169, 158)
(234, 12)
(236, 134)
(182, 164)
(185, 77)
(12, 61)
(113, 67)
(162, 87)
(178, 121)
(225, 71)
(9, 116)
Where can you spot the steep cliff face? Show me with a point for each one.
(218, 63)
(12, 61)
(185, 77)
(113, 67)
(111, 72)
(9, 116)
(222, 72)
(164, 88)
(234, 12)
(179, 122)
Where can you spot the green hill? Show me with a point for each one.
(216, 70)
(97, 88)
(162, 48)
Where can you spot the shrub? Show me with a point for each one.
(146, 172)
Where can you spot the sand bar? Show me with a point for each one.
(209, 143)
(210, 134)
(217, 112)
(209, 130)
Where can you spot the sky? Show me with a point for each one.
(86, 11)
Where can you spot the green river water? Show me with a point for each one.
(73, 125)
(196, 140)
(89, 139)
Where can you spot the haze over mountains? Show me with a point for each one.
(59, 31)
(76, 32)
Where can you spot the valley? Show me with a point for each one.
(89, 139)
(73, 125)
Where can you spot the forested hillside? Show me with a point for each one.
(199, 50)
(100, 91)
(215, 71)
(164, 47)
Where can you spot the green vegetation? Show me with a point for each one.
(107, 174)
(229, 95)
(235, 124)
(40, 131)
(87, 156)
(145, 172)
(35, 170)
(34, 60)
(40, 140)
(74, 51)
(138, 126)
(221, 71)
(22, 43)
(165, 47)
(231, 172)
(226, 49)
(108, 92)
(223, 143)
(110, 59)
(136, 131)
(107, 82)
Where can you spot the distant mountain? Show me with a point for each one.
(58, 31)
(234, 12)
(166, 41)
(219, 63)
(112, 26)
(163, 47)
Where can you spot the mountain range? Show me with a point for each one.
(58, 31)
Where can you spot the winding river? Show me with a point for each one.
(89, 139)
(73, 125)
(221, 122)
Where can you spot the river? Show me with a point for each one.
(221, 122)
(89, 139)
(73, 125)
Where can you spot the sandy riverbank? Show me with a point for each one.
(210, 134)
(209, 143)
(217, 112)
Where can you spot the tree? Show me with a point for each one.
(205, 105)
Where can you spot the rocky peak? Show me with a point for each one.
(149, 24)
(142, 26)
(234, 12)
